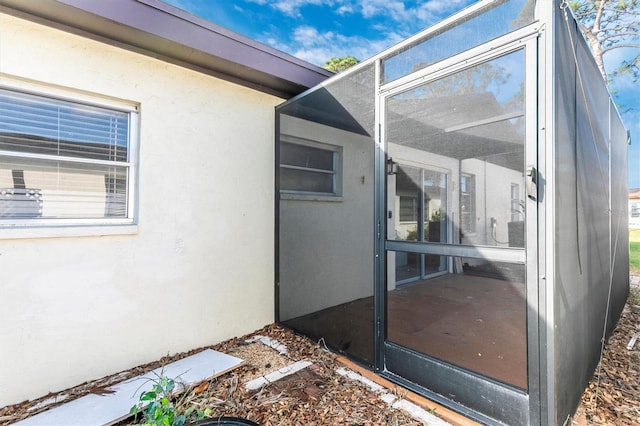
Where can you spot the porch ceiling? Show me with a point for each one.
(458, 126)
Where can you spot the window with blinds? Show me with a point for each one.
(64, 161)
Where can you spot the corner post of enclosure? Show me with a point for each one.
(545, 13)
(380, 226)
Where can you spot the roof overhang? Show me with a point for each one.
(156, 29)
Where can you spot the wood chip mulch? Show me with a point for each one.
(313, 396)
(319, 396)
(613, 394)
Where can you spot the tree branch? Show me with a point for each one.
(584, 28)
(618, 35)
(618, 46)
(598, 19)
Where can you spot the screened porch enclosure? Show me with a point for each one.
(336, 272)
(413, 217)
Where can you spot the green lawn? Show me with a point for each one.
(634, 250)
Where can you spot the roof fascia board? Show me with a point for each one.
(157, 29)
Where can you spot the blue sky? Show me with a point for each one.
(317, 30)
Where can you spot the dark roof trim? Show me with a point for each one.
(157, 29)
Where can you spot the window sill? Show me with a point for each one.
(66, 231)
(310, 197)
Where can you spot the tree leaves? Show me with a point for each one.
(340, 64)
(609, 25)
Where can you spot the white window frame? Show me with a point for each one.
(63, 227)
(336, 195)
(471, 215)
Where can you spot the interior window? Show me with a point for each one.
(308, 169)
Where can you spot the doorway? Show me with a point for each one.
(458, 204)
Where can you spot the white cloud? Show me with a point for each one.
(391, 20)
(291, 7)
(345, 9)
(435, 10)
(393, 9)
(308, 36)
(425, 13)
(440, 7)
(317, 47)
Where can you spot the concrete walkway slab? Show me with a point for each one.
(106, 409)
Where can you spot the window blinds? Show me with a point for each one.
(72, 159)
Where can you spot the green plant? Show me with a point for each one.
(160, 411)
(412, 235)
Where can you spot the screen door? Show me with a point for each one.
(460, 198)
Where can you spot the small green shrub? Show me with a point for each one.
(412, 235)
(160, 411)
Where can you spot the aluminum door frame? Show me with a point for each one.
(503, 402)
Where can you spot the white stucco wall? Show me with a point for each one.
(326, 246)
(493, 199)
(200, 267)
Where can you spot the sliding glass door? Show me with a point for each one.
(420, 204)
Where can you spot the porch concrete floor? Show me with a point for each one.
(474, 322)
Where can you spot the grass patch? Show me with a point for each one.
(634, 250)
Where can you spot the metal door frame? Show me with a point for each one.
(499, 401)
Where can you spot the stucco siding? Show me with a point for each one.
(198, 270)
(335, 263)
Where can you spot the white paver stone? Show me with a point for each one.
(98, 410)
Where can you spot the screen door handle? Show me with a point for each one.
(532, 183)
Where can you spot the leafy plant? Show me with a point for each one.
(412, 234)
(160, 411)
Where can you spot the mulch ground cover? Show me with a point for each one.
(319, 396)
(313, 396)
(613, 394)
